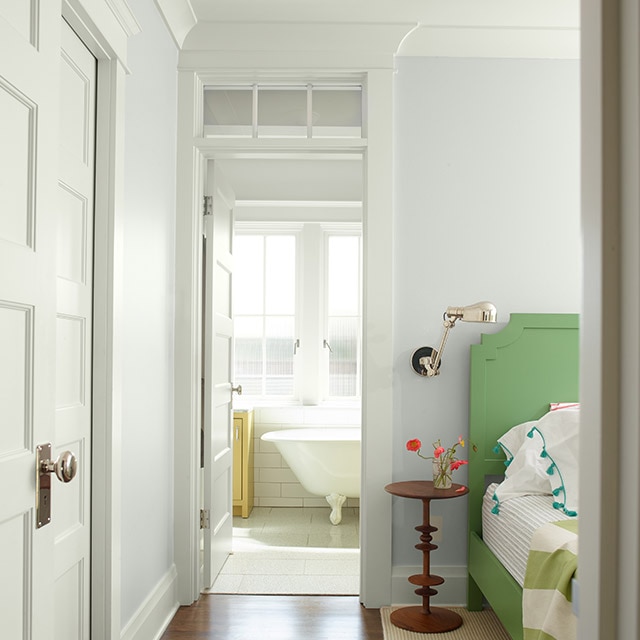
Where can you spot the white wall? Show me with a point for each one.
(487, 208)
(149, 226)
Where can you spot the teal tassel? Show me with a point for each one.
(495, 510)
(557, 491)
(508, 462)
(496, 449)
(558, 505)
(494, 497)
(550, 469)
(544, 454)
(530, 434)
(573, 514)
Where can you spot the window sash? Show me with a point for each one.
(305, 370)
(302, 110)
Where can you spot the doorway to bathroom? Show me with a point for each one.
(374, 149)
(298, 341)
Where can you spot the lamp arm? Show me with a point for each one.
(448, 325)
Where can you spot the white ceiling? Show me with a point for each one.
(300, 180)
(505, 13)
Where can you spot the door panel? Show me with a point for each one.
(218, 363)
(70, 369)
(69, 601)
(72, 234)
(15, 377)
(28, 104)
(20, 14)
(74, 261)
(17, 166)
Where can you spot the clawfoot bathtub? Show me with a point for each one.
(326, 461)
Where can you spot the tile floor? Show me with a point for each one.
(288, 551)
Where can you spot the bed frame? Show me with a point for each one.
(515, 374)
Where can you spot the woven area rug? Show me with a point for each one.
(476, 625)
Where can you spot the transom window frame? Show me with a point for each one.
(255, 129)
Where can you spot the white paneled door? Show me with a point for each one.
(218, 368)
(45, 569)
(71, 517)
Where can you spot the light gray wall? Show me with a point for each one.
(149, 225)
(487, 208)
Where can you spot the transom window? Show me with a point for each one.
(297, 313)
(283, 111)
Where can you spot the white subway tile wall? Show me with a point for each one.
(275, 484)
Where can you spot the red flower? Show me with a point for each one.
(456, 464)
(414, 445)
(438, 452)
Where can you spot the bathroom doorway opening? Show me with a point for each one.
(295, 216)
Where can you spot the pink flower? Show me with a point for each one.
(414, 445)
(438, 452)
(456, 464)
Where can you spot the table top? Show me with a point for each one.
(424, 490)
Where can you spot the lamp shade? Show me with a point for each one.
(478, 312)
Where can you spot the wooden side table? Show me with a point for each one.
(425, 619)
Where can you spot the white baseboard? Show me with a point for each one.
(152, 618)
(452, 593)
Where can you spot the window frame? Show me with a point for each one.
(329, 230)
(277, 229)
(308, 130)
(311, 362)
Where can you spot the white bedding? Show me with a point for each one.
(508, 534)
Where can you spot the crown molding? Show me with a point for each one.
(179, 17)
(491, 42)
(124, 16)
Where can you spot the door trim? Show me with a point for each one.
(103, 37)
(377, 410)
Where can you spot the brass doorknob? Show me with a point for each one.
(65, 466)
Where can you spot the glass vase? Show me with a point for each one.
(441, 474)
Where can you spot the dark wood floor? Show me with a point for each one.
(241, 617)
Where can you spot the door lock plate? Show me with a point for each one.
(43, 486)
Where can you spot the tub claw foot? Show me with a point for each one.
(336, 501)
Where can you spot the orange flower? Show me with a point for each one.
(414, 445)
(456, 464)
(438, 452)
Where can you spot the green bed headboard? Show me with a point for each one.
(515, 374)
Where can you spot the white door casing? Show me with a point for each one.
(218, 369)
(378, 360)
(74, 269)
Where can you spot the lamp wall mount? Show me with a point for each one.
(420, 358)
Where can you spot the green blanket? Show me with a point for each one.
(546, 597)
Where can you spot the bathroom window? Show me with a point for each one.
(297, 313)
(264, 301)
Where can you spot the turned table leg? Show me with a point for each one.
(426, 619)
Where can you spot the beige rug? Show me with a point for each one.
(476, 625)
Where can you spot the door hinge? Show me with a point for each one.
(207, 206)
(204, 519)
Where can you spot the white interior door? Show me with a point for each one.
(71, 519)
(35, 560)
(218, 365)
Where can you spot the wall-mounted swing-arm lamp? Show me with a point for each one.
(426, 360)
